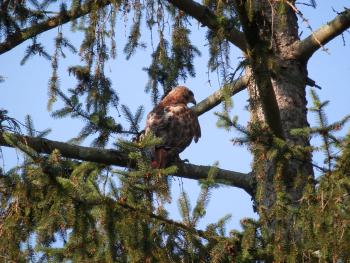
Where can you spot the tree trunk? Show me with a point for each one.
(280, 187)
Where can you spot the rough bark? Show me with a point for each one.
(288, 79)
(260, 54)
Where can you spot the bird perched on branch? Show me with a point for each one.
(175, 123)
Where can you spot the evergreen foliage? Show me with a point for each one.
(57, 209)
(322, 218)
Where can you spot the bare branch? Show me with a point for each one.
(209, 19)
(305, 48)
(114, 157)
(14, 40)
(226, 177)
(216, 98)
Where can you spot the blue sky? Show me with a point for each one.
(25, 92)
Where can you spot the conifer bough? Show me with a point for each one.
(113, 157)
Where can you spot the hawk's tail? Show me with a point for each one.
(160, 158)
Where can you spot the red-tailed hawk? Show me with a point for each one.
(175, 123)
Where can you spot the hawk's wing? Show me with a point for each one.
(175, 124)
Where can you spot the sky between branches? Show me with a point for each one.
(25, 92)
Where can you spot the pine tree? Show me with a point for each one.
(70, 203)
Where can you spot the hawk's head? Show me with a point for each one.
(180, 94)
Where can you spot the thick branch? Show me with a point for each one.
(216, 98)
(210, 20)
(34, 30)
(259, 55)
(305, 48)
(113, 157)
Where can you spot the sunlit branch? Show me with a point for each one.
(19, 37)
(209, 19)
(305, 48)
(216, 98)
(114, 157)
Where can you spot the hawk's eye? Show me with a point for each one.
(191, 93)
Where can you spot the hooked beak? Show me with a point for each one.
(193, 101)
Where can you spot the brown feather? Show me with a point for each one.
(175, 123)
